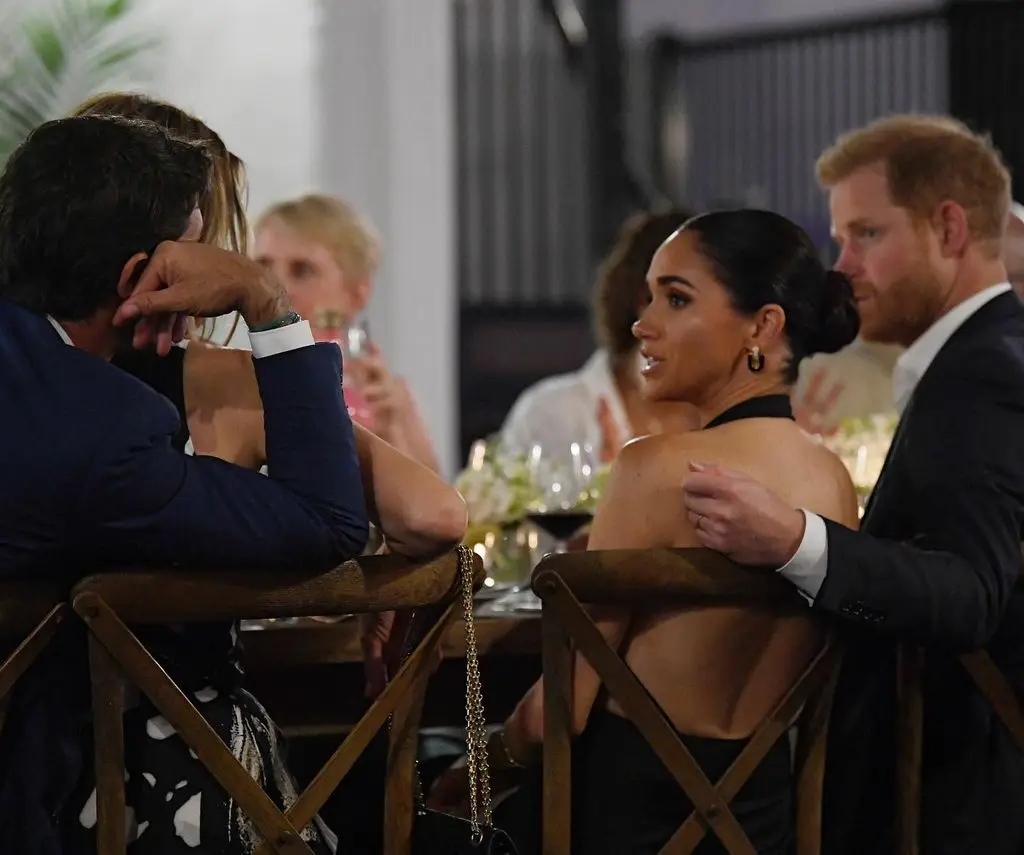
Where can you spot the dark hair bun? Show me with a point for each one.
(839, 322)
(762, 258)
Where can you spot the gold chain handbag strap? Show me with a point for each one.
(476, 721)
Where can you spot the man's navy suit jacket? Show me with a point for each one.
(89, 480)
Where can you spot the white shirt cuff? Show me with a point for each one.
(281, 340)
(809, 564)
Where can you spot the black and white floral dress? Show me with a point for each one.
(174, 805)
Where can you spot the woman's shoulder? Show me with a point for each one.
(738, 445)
(662, 455)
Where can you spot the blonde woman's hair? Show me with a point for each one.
(223, 204)
(350, 237)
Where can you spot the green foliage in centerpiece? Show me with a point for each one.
(500, 487)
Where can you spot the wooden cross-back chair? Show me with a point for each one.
(689, 578)
(987, 679)
(110, 603)
(31, 614)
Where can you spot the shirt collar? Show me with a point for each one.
(63, 333)
(914, 362)
(64, 337)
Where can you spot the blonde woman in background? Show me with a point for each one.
(326, 254)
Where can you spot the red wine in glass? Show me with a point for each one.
(561, 525)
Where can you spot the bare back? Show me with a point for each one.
(718, 672)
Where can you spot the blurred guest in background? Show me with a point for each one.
(852, 384)
(327, 254)
(601, 404)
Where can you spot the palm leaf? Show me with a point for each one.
(51, 61)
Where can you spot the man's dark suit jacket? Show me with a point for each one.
(89, 480)
(940, 566)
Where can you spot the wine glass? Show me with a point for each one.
(562, 483)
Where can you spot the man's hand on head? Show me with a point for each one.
(188, 279)
(740, 517)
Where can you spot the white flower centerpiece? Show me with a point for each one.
(498, 490)
(501, 488)
(862, 445)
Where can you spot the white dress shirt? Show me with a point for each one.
(558, 411)
(809, 564)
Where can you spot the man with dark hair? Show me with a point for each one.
(98, 222)
(64, 232)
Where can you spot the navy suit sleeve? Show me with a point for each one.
(950, 586)
(149, 503)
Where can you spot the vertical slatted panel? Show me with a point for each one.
(759, 110)
(521, 167)
(763, 109)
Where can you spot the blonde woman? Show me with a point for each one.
(215, 392)
(326, 254)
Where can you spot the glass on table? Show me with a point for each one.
(562, 479)
(562, 483)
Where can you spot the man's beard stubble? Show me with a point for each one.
(905, 310)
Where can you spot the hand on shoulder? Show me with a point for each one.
(738, 516)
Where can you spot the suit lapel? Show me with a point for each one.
(976, 325)
(880, 483)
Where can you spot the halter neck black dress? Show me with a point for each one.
(625, 802)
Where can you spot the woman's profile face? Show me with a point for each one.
(692, 340)
(313, 279)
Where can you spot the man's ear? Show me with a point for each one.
(130, 274)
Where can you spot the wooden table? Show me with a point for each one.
(309, 674)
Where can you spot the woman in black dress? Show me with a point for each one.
(737, 299)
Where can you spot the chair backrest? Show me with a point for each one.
(993, 686)
(109, 603)
(31, 615)
(691, 578)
